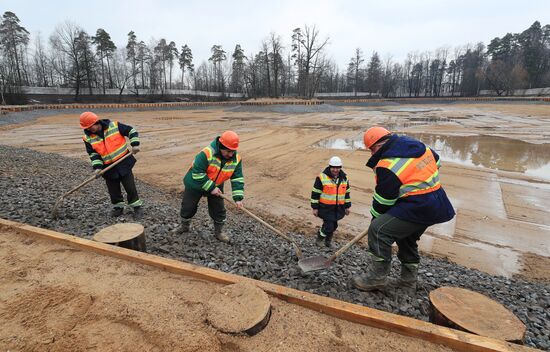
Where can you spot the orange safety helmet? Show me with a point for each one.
(373, 135)
(230, 140)
(88, 119)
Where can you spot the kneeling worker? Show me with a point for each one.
(214, 165)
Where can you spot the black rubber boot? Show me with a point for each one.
(376, 277)
(138, 213)
(409, 276)
(220, 234)
(328, 241)
(319, 241)
(116, 212)
(184, 227)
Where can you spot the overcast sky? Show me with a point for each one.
(389, 27)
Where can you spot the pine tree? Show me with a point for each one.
(105, 49)
(185, 62)
(13, 37)
(237, 72)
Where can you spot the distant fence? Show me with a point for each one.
(346, 95)
(421, 100)
(111, 91)
(190, 92)
(15, 108)
(520, 92)
(533, 92)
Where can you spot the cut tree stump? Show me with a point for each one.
(127, 235)
(473, 312)
(239, 308)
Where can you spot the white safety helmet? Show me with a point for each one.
(335, 161)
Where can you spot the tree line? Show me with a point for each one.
(75, 59)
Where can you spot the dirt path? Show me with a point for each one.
(502, 225)
(57, 298)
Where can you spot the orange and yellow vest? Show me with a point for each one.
(214, 171)
(111, 147)
(417, 175)
(333, 193)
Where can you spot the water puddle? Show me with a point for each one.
(501, 260)
(490, 152)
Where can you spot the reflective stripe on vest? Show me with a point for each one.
(417, 175)
(214, 165)
(112, 147)
(332, 192)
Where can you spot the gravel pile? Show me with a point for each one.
(31, 182)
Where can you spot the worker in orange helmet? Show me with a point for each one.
(105, 142)
(212, 166)
(407, 199)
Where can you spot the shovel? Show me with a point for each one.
(296, 247)
(319, 262)
(88, 180)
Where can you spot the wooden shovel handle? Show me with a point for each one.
(349, 244)
(91, 178)
(298, 250)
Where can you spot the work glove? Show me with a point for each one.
(347, 211)
(315, 212)
(135, 149)
(97, 173)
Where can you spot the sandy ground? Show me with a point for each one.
(502, 226)
(58, 298)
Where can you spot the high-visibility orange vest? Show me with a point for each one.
(417, 175)
(333, 193)
(215, 171)
(111, 147)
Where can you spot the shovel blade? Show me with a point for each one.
(314, 263)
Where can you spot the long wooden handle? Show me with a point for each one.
(349, 244)
(297, 248)
(91, 178)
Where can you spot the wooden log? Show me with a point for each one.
(239, 308)
(473, 312)
(126, 235)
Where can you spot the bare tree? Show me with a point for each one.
(41, 63)
(276, 61)
(121, 72)
(265, 57)
(307, 47)
(65, 41)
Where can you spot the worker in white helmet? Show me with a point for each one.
(330, 199)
